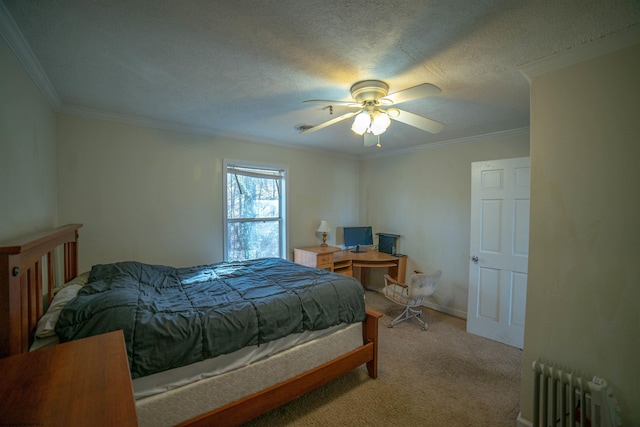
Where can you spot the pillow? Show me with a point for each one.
(80, 279)
(47, 323)
(39, 343)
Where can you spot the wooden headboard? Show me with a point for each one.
(23, 264)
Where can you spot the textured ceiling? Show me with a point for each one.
(242, 68)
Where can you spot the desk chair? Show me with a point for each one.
(411, 295)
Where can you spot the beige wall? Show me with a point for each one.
(584, 274)
(156, 196)
(425, 196)
(27, 152)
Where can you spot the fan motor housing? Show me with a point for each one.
(369, 90)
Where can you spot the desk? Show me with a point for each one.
(83, 382)
(373, 259)
(349, 263)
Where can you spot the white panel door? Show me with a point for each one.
(499, 249)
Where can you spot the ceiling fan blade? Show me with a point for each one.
(417, 121)
(329, 102)
(331, 122)
(371, 139)
(420, 91)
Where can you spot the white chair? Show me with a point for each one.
(411, 295)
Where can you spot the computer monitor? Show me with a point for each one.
(357, 236)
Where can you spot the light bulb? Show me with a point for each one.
(361, 123)
(380, 123)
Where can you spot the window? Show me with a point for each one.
(255, 211)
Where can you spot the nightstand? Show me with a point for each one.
(83, 382)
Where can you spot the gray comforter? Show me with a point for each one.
(176, 316)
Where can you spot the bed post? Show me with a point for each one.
(21, 280)
(370, 334)
(7, 301)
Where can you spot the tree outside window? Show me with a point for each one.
(254, 215)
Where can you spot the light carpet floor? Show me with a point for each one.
(440, 377)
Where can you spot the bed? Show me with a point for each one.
(28, 264)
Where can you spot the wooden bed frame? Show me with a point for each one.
(23, 264)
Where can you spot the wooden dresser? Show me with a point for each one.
(83, 382)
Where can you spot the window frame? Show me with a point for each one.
(283, 208)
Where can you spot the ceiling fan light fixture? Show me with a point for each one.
(379, 123)
(361, 123)
(373, 116)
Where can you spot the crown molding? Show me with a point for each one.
(440, 144)
(133, 120)
(129, 119)
(588, 50)
(12, 35)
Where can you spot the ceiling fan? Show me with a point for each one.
(374, 114)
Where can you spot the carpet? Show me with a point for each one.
(440, 377)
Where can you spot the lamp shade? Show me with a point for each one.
(380, 123)
(324, 227)
(375, 122)
(361, 123)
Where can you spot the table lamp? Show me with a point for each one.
(324, 229)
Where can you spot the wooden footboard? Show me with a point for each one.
(23, 264)
(243, 410)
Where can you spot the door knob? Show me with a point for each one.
(474, 259)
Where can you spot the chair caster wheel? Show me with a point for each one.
(424, 328)
(390, 326)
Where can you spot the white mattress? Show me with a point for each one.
(184, 403)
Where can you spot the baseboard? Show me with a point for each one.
(521, 422)
(447, 310)
(434, 306)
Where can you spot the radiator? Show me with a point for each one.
(566, 398)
